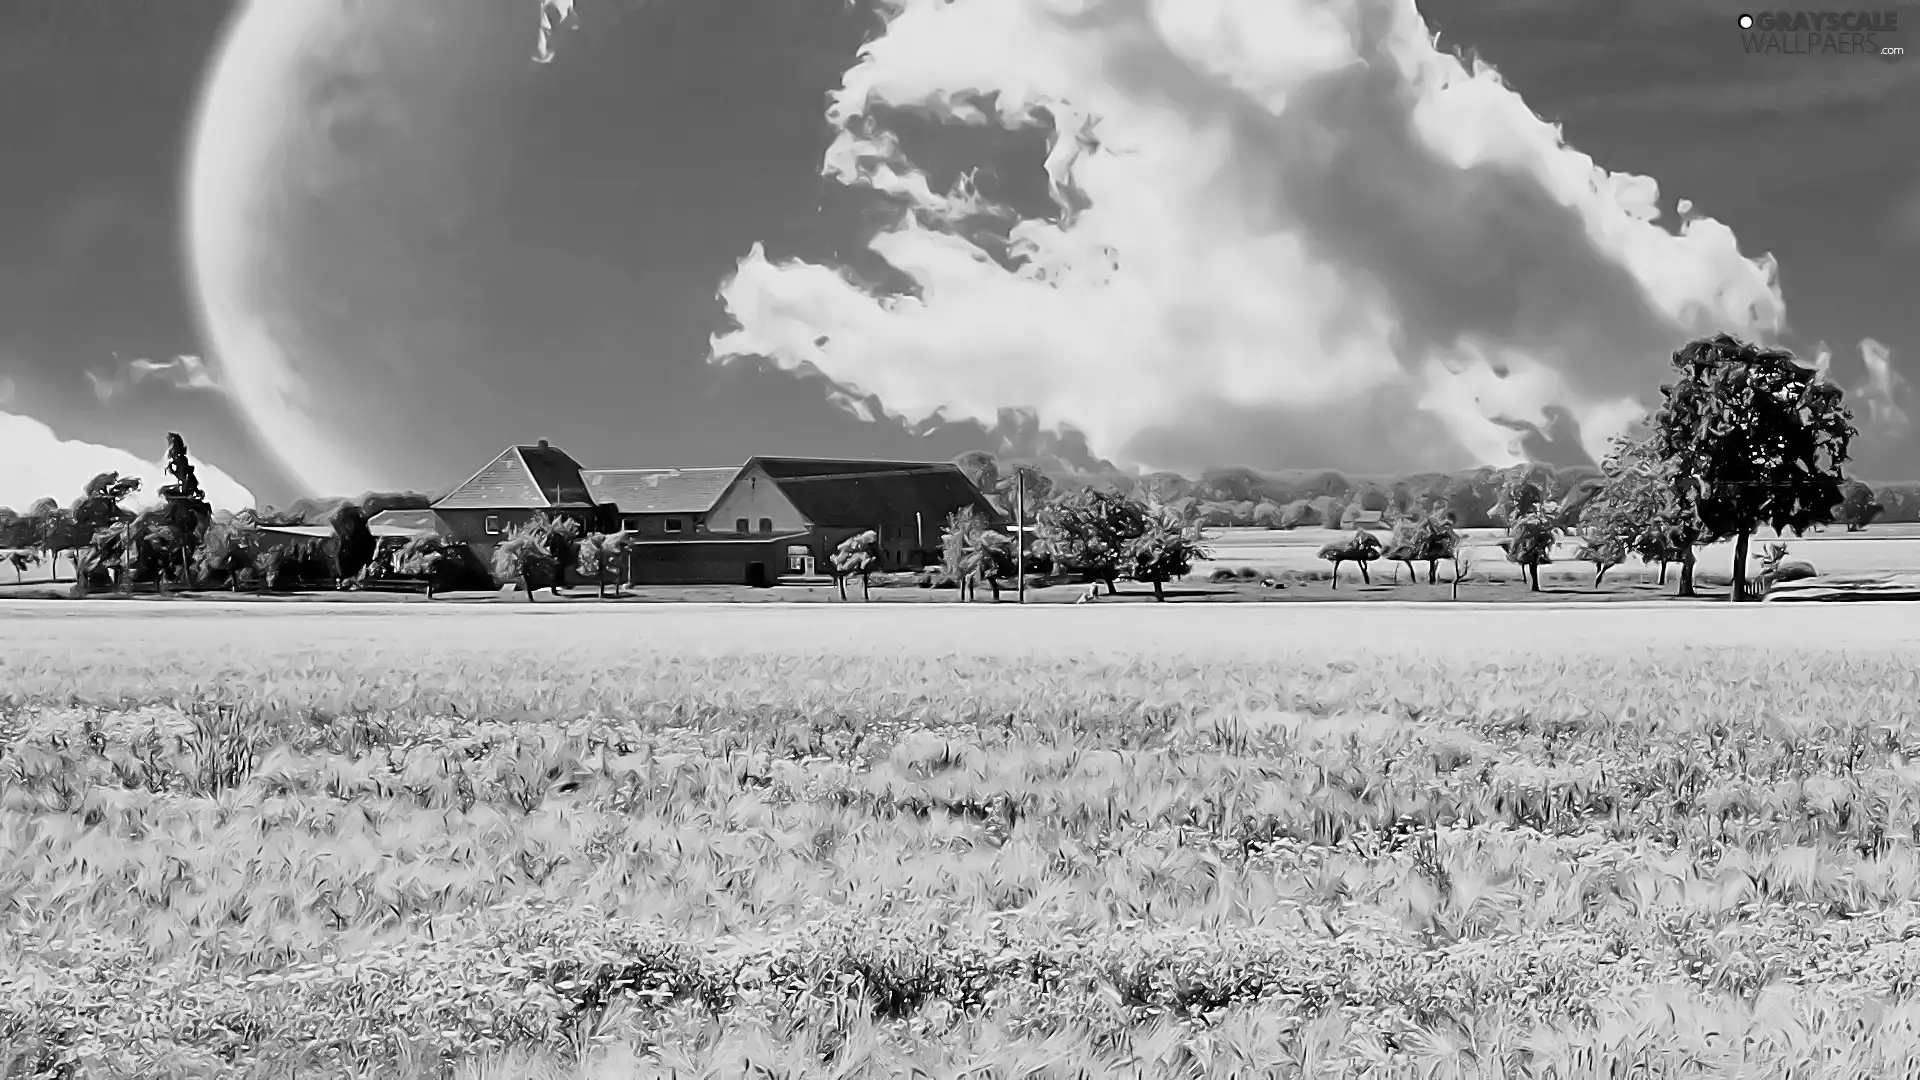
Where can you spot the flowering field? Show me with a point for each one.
(848, 841)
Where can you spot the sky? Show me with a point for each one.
(1273, 239)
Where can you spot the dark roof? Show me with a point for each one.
(521, 478)
(659, 491)
(859, 494)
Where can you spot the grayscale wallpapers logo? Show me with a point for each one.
(1822, 33)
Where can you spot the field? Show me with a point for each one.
(585, 841)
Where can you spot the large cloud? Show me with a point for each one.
(1290, 226)
(41, 464)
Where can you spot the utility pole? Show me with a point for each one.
(1020, 532)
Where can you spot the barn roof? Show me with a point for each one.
(659, 491)
(403, 523)
(858, 494)
(521, 478)
(308, 532)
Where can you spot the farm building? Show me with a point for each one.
(745, 524)
(521, 482)
(818, 503)
(660, 503)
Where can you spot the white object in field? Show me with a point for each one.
(1093, 590)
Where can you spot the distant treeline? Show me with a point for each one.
(1307, 498)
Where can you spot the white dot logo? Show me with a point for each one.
(1746, 22)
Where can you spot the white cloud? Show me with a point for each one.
(1295, 207)
(181, 373)
(41, 464)
(1883, 391)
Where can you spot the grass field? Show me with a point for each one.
(566, 840)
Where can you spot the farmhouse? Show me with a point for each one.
(521, 482)
(744, 524)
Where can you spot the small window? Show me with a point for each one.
(674, 525)
(493, 525)
(739, 525)
(766, 525)
(630, 523)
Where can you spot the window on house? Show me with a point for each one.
(674, 525)
(630, 523)
(766, 525)
(739, 525)
(493, 525)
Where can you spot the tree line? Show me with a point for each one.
(181, 542)
(1745, 438)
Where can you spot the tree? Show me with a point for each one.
(426, 557)
(1359, 547)
(1435, 541)
(988, 557)
(557, 536)
(56, 531)
(1268, 515)
(1088, 532)
(1427, 537)
(354, 542)
(1858, 507)
(1655, 525)
(159, 545)
(523, 556)
(269, 565)
(857, 556)
(1462, 568)
(1402, 547)
(615, 551)
(1604, 546)
(1298, 513)
(217, 555)
(961, 524)
(1165, 549)
(186, 511)
(99, 503)
(1533, 523)
(1531, 531)
(1755, 439)
(20, 559)
(601, 556)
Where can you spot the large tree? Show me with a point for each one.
(1755, 439)
(186, 511)
(1165, 549)
(1088, 531)
(354, 542)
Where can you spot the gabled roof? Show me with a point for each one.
(521, 478)
(659, 491)
(859, 494)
